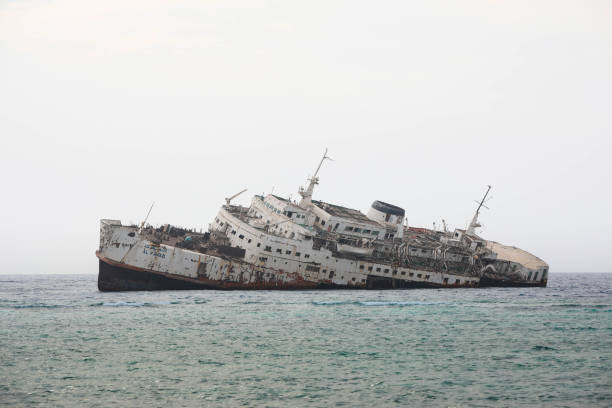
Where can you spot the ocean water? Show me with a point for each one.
(63, 343)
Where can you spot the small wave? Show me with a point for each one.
(382, 303)
(538, 348)
(211, 362)
(39, 306)
(372, 303)
(580, 305)
(135, 304)
(118, 304)
(331, 302)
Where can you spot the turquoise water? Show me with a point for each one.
(66, 344)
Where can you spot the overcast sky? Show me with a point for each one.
(106, 106)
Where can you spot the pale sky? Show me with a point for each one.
(106, 106)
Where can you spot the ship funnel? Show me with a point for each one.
(385, 213)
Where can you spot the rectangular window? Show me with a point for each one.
(262, 258)
(268, 248)
(297, 254)
(445, 280)
(411, 274)
(457, 281)
(535, 277)
(377, 269)
(360, 266)
(280, 251)
(419, 275)
(395, 272)
(322, 222)
(241, 236)
(288, 252)
(374, 232)
(357, 230)
(529, 276)
(258, 244)
(386, 271)
(348, 229)
(234, 232)
(369, 268)
(306, 255)
(366, 231)
(403, 272)
(426, 276)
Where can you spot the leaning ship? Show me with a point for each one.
(277, 243)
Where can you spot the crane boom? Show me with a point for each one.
(229, 199)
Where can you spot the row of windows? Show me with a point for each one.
(314, 268)
(287, 213)
(357, 229)
(270, 206)
(280, 251)
(386, 270)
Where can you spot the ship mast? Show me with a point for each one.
(474, 224)
(314, 180)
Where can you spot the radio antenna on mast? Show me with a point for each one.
(314, 180)
(474, 224)
(142, 224)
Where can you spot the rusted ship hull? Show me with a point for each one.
(114, 277)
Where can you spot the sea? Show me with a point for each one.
(65, 344)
